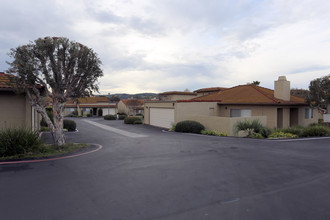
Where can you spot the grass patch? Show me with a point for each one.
(46, 150)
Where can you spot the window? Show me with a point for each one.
(308, 113)
(240, 113)
(85, 109)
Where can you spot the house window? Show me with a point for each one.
(85, 109)
(240, 113)
(308, 113)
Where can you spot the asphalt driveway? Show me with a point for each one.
(162, 175)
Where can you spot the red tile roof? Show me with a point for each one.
(5, 80)
(177, 93)
(212, 89)
(247, 94)
(90, 100)
(136, 102)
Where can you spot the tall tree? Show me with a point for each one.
(319, 94)
(58, 69)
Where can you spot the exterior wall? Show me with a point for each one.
(107, 111)
(222, 124)
(176, 97)
(148, 105)
(195, 108)
(305, 122)
(16, 111)
(269, 111)
(122, 108)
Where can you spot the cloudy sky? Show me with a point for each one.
(166, 45)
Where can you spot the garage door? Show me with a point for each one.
(161, 117)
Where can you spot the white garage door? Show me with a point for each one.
(107, 111)
(161, 117)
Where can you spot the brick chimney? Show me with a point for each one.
(282, 88)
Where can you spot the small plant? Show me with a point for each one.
(69, 124)
(138, 122)
(213, 133)
(315, 131)
(280, 134)
(132, 120)
(121, 117)
(297, 130)
(109, 117)
(89, 115)
(251, 127)
(189, 127)
(16, 141)
(256, 135)
(172, 128)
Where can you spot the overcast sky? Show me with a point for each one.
(166, 45)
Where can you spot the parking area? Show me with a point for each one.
(166, 175)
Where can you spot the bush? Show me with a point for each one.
(189, 127)
(251, 127)
(15, 141)
(109, 117)
(89, 115)
(256, 135)
(281, 134)
(132, 120)
(138, 122)
(315, 131)
(121, 117)
(297, 130)
(69, 124)
(213, 133)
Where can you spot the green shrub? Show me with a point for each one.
(172, 128)
(15, 141)
(74, 113)
(280, 134)
(110, 117)
(89, 115)
(256, 135)
(297, 130)
(121, 117)
(251, 127)
(69, 124)
(138, 122)
(315, 131)
(131, 120)
(214, 133)
(189, 127)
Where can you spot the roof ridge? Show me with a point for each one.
(266, 95)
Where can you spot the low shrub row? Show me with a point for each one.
(189, 127)
(110, 117)
(213, 133)
(132, 120)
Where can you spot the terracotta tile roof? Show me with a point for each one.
(247, 94)
(5, 80)
(211, 89)
(177, 93)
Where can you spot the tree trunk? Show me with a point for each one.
(57, 131)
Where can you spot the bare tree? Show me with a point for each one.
(57, 69)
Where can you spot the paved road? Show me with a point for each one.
(161, 175)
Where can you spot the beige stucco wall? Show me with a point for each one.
(182, 109)
(15, 111)
(305, 122)
(176, 97)
(122, 108)
(223, 124)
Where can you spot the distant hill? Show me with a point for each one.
(135, 96)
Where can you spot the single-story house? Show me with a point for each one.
(97, 106)
(220, 111)
(176, 95)
(15, 110)
(131, 106)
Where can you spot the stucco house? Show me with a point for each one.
(176, 95)
(131, 106)
(208, 91)
(15, 109)
(220, 111)
(98, 106)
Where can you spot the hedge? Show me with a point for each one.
(189, 127)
